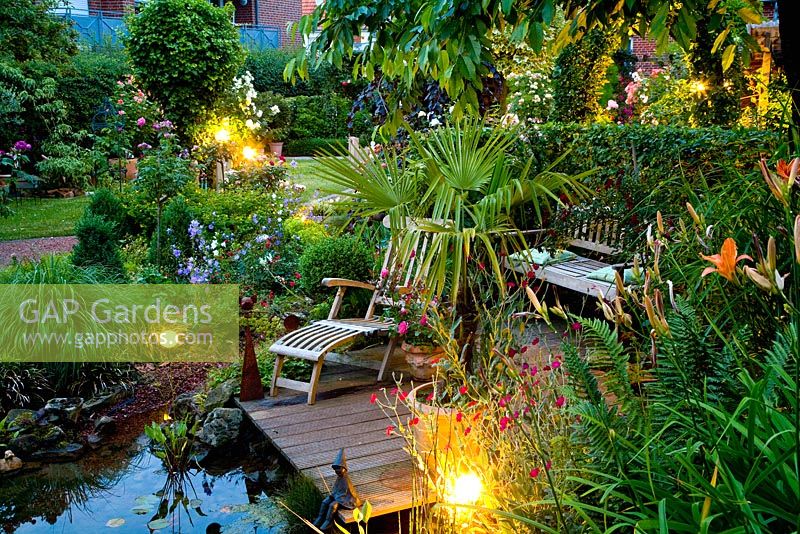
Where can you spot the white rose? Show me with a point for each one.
(435, 122)
(275, 110)
(259, 113)
(421, 114)
(250, 124)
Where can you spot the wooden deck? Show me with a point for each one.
(309, 437)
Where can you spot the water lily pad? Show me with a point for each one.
(115, 523)
(142, 509)
(195, 503)
(146, 499)
(157, 524)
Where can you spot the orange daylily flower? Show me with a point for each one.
(785, 169)
(725, 262)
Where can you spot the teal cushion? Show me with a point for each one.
(606, 274)
(540, 257)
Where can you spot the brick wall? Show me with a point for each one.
(279, 13)
(115, 8)
(645, 52)
(307, 6)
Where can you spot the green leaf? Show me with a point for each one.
(719, 40)
(728, 56)
(367, 511)
(142, 510)
(157, 524)
(356, 515)
(750, 16)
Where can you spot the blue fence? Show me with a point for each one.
(106, 28)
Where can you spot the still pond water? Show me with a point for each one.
(125, 490)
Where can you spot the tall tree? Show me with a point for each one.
(448, 40)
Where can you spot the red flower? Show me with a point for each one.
(548, 465)
(459, 417)
(504, 422)
(413, 254)
(511, 285)
(463, 390)
(512, 352)
(535, 342)
(373, 398)
(291, 283)
(394, 391)
(556, 364)
(389, 430)
(481, 266)
(470, 404)
(560, 401)
(297, 276)
(576, 326)
(534, 472)
(414, 421)
(530, 274)
(467, 430)
(477, 416)
(523, 349)
(402, 396)
(429, 398)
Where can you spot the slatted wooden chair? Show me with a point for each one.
(603, 239)
(314, 341)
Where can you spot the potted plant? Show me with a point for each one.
(413, 317)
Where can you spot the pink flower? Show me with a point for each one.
(459, 417)
(121, 112)
(423, 320)
(141, 121)
(463, 390)
(413, 254)
(556, 364)
(534, 472)
(413, 422)
(402, 328)
(467, 430)
(389, 430)
(504, 422)
(560, 401)
(373, 398)
(384, 273)
(576, 326)
(612, 104)
(548, 465)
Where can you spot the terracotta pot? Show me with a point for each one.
(439, 438)
(421, 359)
(130, 167)
(276, 148)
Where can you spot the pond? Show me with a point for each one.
(126, 489)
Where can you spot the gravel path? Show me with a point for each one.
(33, 249)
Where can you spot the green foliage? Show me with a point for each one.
(68, 164)
(97, 244)
(337, 257)
(185, 53)
(30, 31)
(579, 74)
(450, 44)
(105, 203)
(320, 116)
(267, 68)
(174, 224)
(87, 80)
(172, 443)
(302, 497)
(313, 146)
(307, 231)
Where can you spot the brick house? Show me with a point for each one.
(261, 13)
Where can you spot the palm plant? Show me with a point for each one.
(458, 185)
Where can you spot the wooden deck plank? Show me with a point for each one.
(309, 437)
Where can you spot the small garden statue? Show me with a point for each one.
(343, 495)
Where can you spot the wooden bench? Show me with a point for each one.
(602, 239)
(315, 341)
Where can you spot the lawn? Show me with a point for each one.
(306, 173)
(48, 217)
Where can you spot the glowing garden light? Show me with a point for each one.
(699, 87)
(249, 153)
(465, 489)
(222, 135)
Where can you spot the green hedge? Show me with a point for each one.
(267, 66)
(661, 151)
(87, 80)
(312, 145)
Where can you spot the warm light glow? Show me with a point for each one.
(249, 153)
(698, 87)
(222, 136)
(466, 489)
